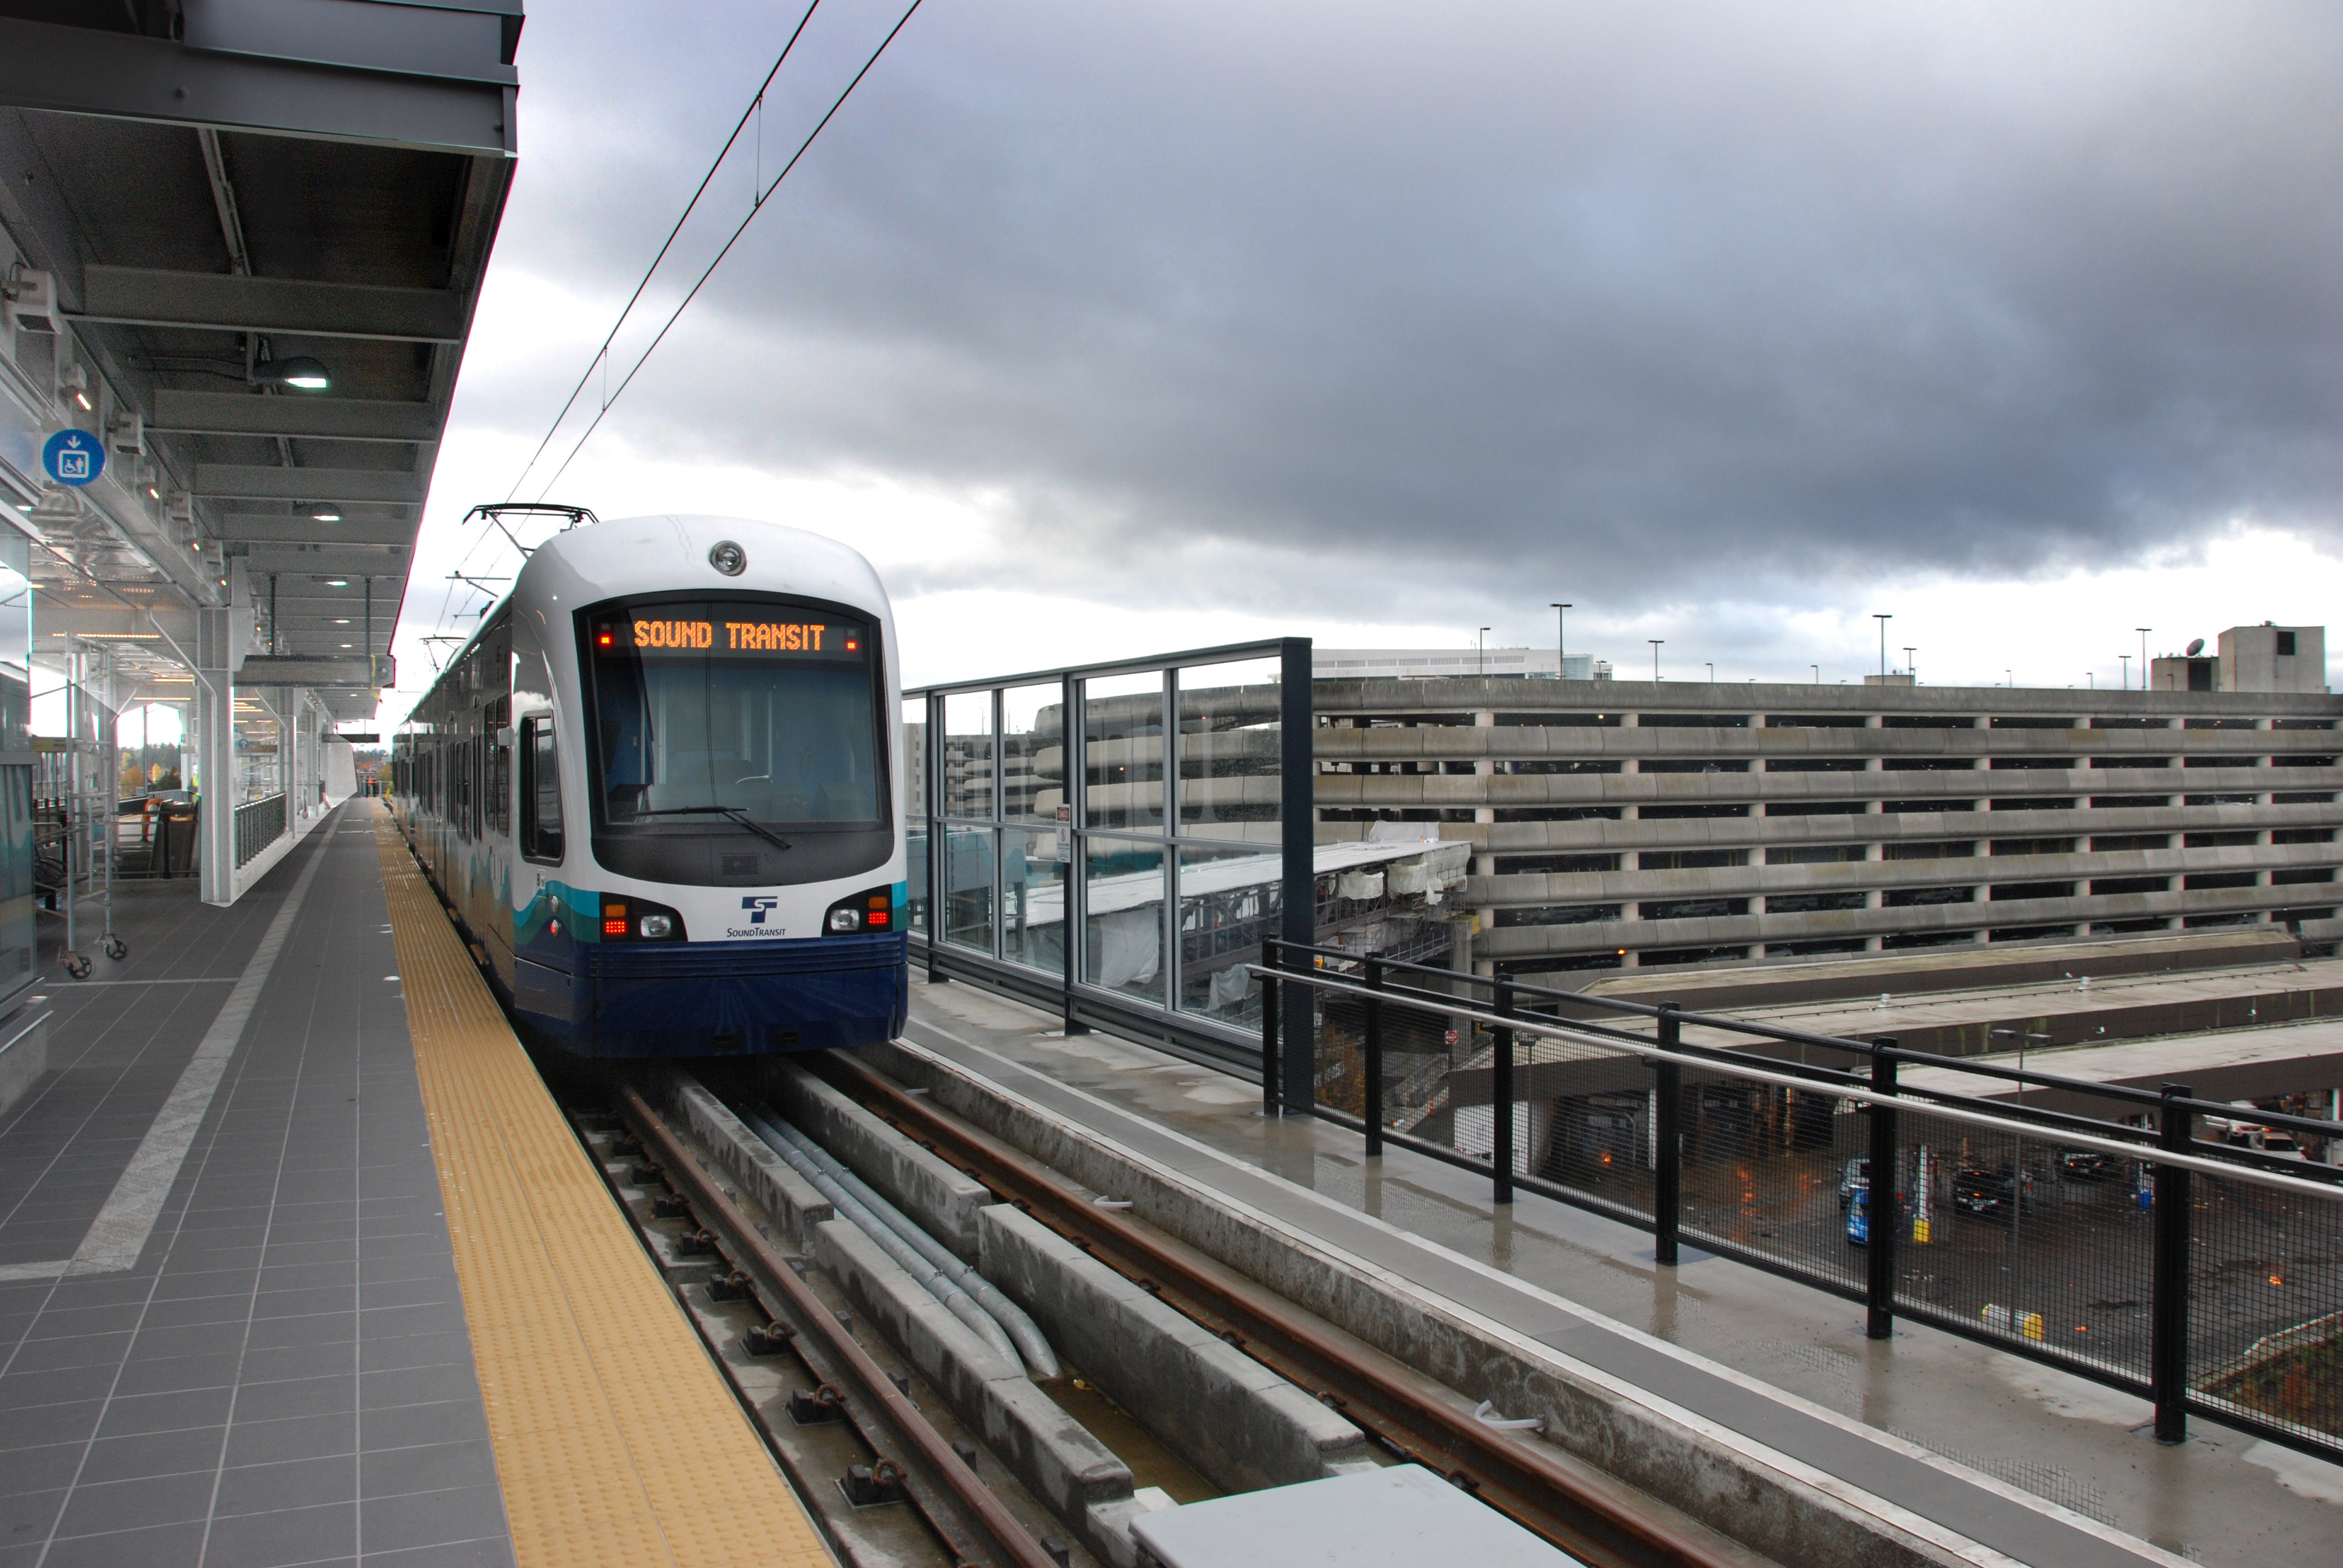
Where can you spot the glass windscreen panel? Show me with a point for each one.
(1231, 760)
(1032, 752)
(741, 709)
(968, 755)
(1122, 918)
(915, 815)
(1123, 751)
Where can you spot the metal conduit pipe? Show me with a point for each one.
(1031, 1344)
(852, 1211)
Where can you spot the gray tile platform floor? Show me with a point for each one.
(285, 1375)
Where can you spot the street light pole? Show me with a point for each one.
(1911, 665)
(1655, 642)
(1712, 671)
(2142, 631)
(2126, 658)
(1882, 620)
(1818, 673)
(1481, 641)
(1561, 639)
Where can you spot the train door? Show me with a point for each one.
(488, 909)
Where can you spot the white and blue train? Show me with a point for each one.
(659, 790)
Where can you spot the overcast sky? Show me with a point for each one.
(1104, 330)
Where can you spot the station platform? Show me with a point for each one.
(300, 1264)
(2030, 1463)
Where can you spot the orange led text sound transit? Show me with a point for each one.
(776, 637)
(742, 636)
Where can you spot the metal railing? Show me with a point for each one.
(2083, 1224)
(258, 824)
(1157, 811)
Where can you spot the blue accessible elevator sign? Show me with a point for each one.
(74, 457)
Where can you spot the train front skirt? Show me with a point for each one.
(719, 999)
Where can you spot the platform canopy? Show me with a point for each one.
(235, 199)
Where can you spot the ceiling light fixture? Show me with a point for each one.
(300, 371)
(337, 582)
(327, 515)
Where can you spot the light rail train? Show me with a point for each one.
(659, 790)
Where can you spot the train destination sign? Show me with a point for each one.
(727, 630)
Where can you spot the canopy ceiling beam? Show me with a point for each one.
(222, 302)
(303, 417)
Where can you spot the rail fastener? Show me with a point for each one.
(929, 1464)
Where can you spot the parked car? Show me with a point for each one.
(1858, 1213)
(1982, 1191)
(1853, 1179)
(2088, 1165)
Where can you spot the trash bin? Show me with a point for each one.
(174, 839)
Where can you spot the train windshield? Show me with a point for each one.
(717, 715)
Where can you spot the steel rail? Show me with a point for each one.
(1533, 1487)
(1010, 1545)
(2147, 1153)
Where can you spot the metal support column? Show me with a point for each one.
(2168, 1289)
(1667, 1141)
(1500, 1097)
(1270, 1077)
(1879, 1272)
(1070, 841)
(216, 756)
(1371, 1100)
(1297, 812)
(939, 844)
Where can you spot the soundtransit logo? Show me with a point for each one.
(758, 905)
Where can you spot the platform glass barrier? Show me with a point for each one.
(968, 873)
(1123, 751)
(1231, 750)
(919, 899)
(1032, 900)
(1123, 949)
(1186, 852)
(1032, 752)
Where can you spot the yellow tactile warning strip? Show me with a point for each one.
(618, 1442)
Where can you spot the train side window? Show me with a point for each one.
(540, 791)
(499, 790)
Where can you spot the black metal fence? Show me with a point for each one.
(258, 824)
(2097, 1227)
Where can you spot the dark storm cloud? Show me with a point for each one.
(1667, 300)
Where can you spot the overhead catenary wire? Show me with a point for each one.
(602, 354)
(763, 190)
(755, 206)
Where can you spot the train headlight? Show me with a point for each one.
(872, 910)
(633, 920)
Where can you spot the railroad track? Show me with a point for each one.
(963, 1507)
(848, 1433)
(1577, 1509)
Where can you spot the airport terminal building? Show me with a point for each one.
(1625, 824)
